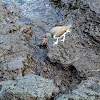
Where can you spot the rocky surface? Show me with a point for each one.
(83, 14)
(66, 64)
(87, 90)
(81, 49)
(41, 14)
(29, 87)
(87, 26)
(13, 42)
(68, 52)
(16, 58)
(75, 52)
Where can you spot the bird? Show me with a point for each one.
(57, 32)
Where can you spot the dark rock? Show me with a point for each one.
(30, 87)
(68, 52)
(84, 91)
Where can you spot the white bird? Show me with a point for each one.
(57, 32)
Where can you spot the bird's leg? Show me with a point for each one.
(56, 42)
(54, 36)
(63, 37)
(65, 34)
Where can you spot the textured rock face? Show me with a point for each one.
(13, 41)
(68, 52)
(87, 15)
(80, 52)
(74, 52)
(29, 87)
(87, 23)
(82, 46)
(87, 90)
(90, 16)
(88, 64)
(16, 63)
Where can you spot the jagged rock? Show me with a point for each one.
(86, 14)
(90, 12)
(70, 3)
(13, 41)
(68, 52)
(16, 63)
(79, 52)
(73, 51)
(87, 18)
(86, 22)
(29, 87)
(87, 90)
(88, 64)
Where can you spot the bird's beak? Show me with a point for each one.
(43, 41)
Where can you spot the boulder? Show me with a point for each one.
(82, 46)
(86, 16)
(88, 90)
(29, 87)
(16, 63)
(68, 52)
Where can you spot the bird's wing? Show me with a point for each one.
(59, 30)
(62, 30)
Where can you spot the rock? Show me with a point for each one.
(88, 64)
(68, 52)
(93, 5)
(89, 20)
(87, 90)
(86, 22)
(29, 87)
(16, 63)
(41, 14)
(70, 3)
(82, 47)
(80, 50)
(76, 53)
(14, 36)
(86, 15)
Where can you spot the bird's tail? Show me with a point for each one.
(68, 28)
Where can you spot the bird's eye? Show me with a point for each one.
(64, 31)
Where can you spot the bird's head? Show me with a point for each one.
(48, 35)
